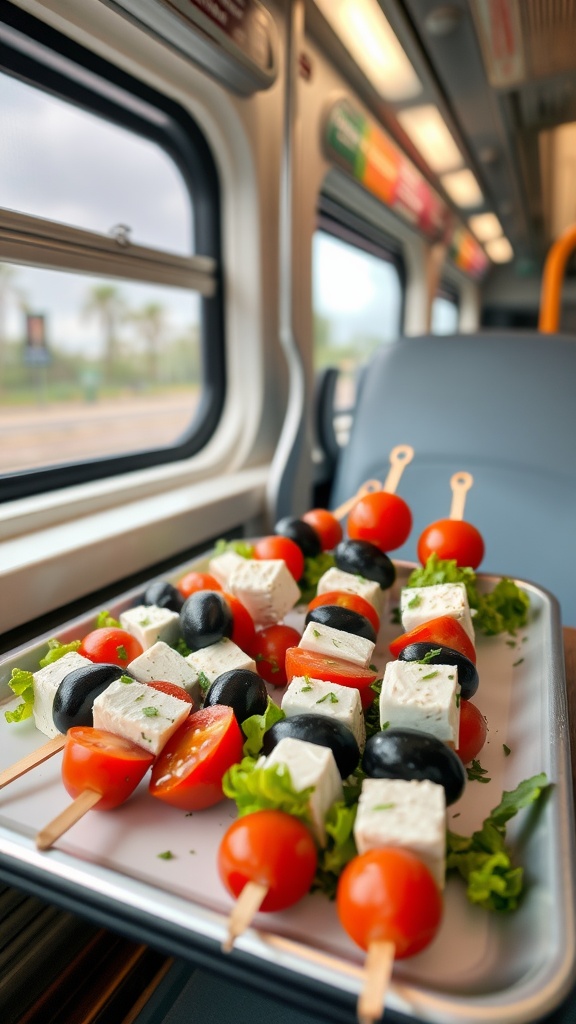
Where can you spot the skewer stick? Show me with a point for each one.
(400, 457)
(25, 764)
(62, 822)
(247, 905)
(368, 487)
(460, 484)
(377, 972)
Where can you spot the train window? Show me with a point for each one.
(445, 311)
(111, 342)
(357, 306)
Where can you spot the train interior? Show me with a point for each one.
(246, 249)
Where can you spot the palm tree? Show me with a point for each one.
(106, 302)
(151, 321)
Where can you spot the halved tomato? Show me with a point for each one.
(108, 764)
(347, 600)
(300, 662)
(444, 631)
(188, 771)
(172, 689)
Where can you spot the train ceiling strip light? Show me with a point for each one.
(427, 129)
(485, 226)
(371, 42)
(463, 188)
(500, 250)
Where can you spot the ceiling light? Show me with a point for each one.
(499, 250)
(485, 226)
(463, 188)
(368, 37)
(428, 131)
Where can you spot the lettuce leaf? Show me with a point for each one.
(503, 610)
(257, 789)
(105, 619)
(57, 650)
(255, 727)
(483, 859)
(314, 568)
(22, 684)
(339, 850)
(239, 546)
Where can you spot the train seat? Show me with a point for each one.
(501, 406)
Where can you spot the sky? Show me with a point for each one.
(70, 166)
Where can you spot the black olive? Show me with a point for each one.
(205, 618)
(77, 692)
(240, 689)
(326, 732)
(342, 618)
(163, 595)
(362, 558)
(301, 533)
(411, 754)
(467, 672)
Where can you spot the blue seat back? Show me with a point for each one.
(501, 406)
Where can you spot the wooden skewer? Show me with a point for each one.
(400, 457)
(247, 905)
(460, 484)
(377, 972)
(368, 487)
(68, 817)
(31, 760)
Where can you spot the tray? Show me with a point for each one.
(510, 969)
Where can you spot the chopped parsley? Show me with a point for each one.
(429, 656)
(476, 773)
(506, 750)
(125, 679)
(306, 688)
(415, 601)
(122, 652)
(167, 855)
(150, 712)
(516, 663)
(383, 807)
(430, 675)
(328, 696)
(204, 682)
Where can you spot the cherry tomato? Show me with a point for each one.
(269, 652)
(172, 688)
(443, 630)
(108, 764)
(272, 848)
(188, 771)
(276, 546)
(389, 895)
(112, 645)
(194, 581)
(473, 731)
(383, 519)
(454, 539)
(243, 628)
(327, 527)
(300, 662)
(347, 600)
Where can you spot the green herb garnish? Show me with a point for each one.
(150, 712)
(476, 773)
(122, 652)
(330, 697)
(105, 619)
(167, 855)
(506, 750)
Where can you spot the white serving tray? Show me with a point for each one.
(481, 967)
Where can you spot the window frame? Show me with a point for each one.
(40, 56)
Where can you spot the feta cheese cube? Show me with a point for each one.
(419, 604)
(407, 814)
(337, 579)
(424, 697)
(149, 623)
(220, 657)
(266, 588)
(45, 682)
(140, 713)
(337, 643)
(309, 764)
(314, 696)
(161, 662)
(222, 566)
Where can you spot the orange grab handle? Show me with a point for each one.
(552, 280)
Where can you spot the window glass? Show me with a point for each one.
(445, 314)
(108, 281)
(92, 367)
(66, 164)
(357, 306)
